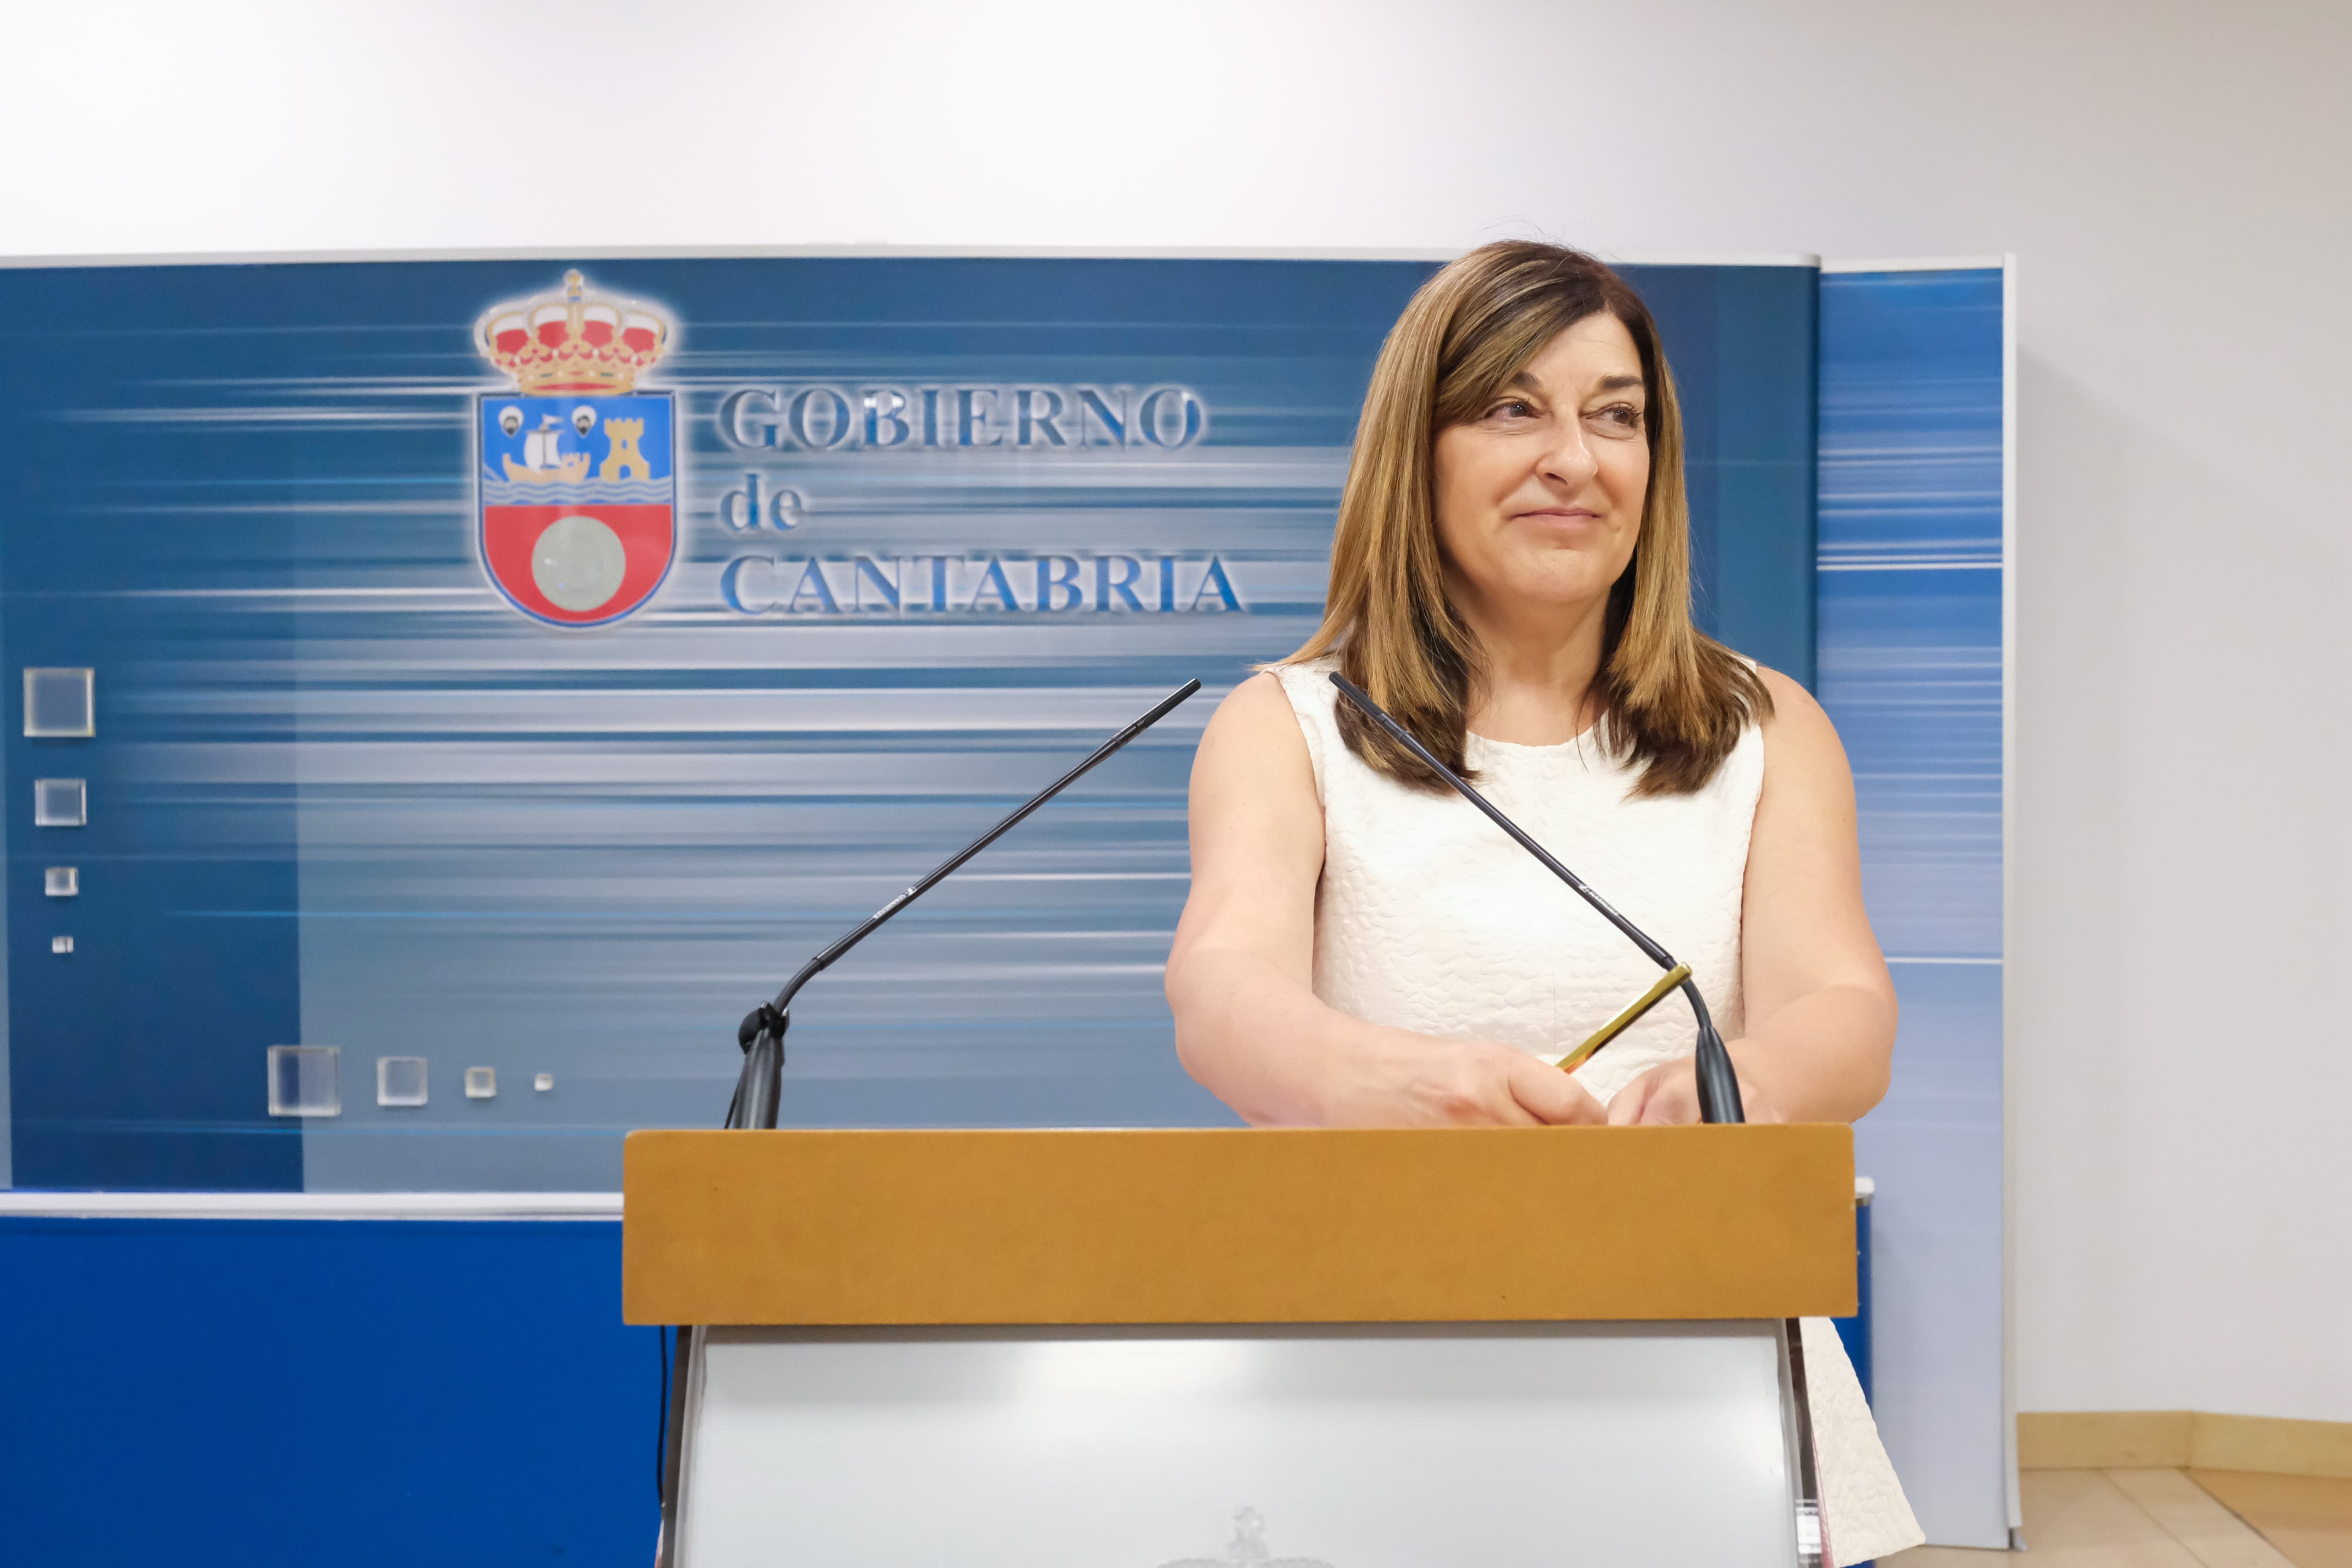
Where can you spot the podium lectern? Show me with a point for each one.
(1187, 1349)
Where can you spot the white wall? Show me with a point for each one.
(2172, 175)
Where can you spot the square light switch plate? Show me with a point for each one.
(302, 1080)
(400, 1081)
(60, 804)
(57, 705)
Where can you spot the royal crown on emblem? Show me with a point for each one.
(574, 341)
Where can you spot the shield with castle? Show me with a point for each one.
(578, 470)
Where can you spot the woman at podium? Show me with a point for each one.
(1510, 580)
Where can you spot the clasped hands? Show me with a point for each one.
(1407, 1080)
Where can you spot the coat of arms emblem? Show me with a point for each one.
(1247, 1547)
(577, 472)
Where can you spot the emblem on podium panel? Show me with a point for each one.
(577, 469)
(1247, 1546)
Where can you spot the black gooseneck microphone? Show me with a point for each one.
(1718, 1086)
(760, 1087)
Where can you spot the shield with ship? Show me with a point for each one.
(577, 468)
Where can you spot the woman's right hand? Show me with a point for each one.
(1399, 1079)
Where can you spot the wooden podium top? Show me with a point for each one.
(1238, 1227)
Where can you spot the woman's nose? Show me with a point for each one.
(1570, 460)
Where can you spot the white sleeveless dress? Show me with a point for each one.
(1428, 918)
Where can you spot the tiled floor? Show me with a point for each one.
(2170, 1518)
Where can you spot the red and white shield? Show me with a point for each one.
(578, 565)
(579, 502)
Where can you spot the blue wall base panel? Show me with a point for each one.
(343, 1394)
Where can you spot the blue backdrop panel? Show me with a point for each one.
(153, 544)
(1911, 673)
(1736, 336)
(361, 1394)
(940, 525)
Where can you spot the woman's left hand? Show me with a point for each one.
(1667, 1095)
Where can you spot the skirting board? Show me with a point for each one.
(2118, 1439)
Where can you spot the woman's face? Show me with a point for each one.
(1540, 495)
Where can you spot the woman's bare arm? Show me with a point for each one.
(1248, 1024)
(1820, 1004)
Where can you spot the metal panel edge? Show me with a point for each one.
(1920, 264)
(1634, 257)
(561, 1205)
(2009, 896)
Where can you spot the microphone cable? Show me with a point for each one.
(1718, 1083)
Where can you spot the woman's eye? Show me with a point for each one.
(1511, 408)
(1620, 416)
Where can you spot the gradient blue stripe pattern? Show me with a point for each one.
(345, 795)
(1911, 673)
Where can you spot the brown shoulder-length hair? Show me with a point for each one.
(1671, 700)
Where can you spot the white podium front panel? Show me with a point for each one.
(1502, 1445)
